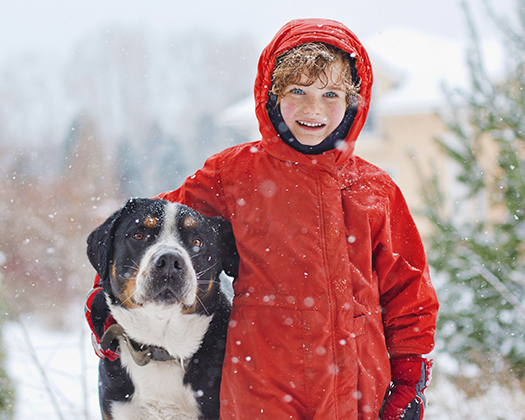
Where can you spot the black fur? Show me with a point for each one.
(109, 245)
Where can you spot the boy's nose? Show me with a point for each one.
(312, 106)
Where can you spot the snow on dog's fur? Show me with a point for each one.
(159, 265)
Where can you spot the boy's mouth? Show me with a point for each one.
(308, 124)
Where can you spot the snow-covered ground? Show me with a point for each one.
(56, 378)
(55, 373)
(498, 403)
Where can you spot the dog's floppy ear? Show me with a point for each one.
(227, 247)
(99, 249)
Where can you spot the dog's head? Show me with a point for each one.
(161, 252)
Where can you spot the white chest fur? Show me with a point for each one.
(159, 389)
(159, 393)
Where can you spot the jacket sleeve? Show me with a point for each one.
(203, 191)
(99, 319)
(408, 300)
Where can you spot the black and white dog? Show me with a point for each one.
(159, 265)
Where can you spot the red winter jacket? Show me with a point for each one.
(333, 277)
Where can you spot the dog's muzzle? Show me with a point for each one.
(169, 277)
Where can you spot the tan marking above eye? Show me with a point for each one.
(150, 222)
(190, 223)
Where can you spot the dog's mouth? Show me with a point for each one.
(169, 293)
(167, 296)
(168, 278)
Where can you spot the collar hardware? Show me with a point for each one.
(142, 354)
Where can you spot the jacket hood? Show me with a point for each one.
(294, 33)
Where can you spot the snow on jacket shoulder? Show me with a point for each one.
(332, 278)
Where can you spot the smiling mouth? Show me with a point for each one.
(311, 125)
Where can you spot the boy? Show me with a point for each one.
(333, 301)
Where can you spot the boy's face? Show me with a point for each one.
(313, 112)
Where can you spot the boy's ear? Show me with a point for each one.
(100, 245)
(227, 248)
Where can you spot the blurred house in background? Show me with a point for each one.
(412, 74)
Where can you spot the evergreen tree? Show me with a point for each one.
(7, 392)
(478, 246)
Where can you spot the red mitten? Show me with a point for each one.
(405, 399)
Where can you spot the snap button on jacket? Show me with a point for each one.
(333, 277)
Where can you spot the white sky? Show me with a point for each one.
(53, 26)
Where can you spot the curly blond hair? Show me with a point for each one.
(314, 60)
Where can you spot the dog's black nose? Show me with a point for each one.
(169, 262)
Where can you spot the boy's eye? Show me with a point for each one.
(331, 95)
(296, 91)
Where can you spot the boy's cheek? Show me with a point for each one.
(287, 111)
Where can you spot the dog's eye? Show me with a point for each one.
(197, 243)
(138, 236)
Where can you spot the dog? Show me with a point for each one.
(159, 265)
